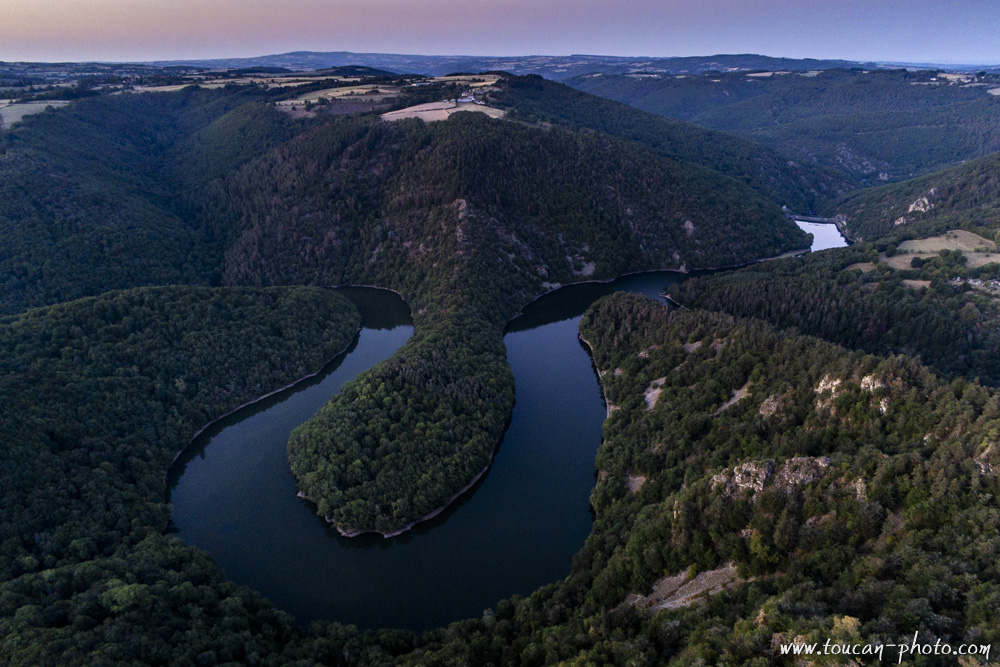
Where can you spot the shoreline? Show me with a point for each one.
(353, 532)
(261, 398)
(685, 272)
(604, 391)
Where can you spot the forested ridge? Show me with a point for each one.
(872, 124)
(468, 219)
(101, 393)
(799, 186)
(965, 196)
(849, 297)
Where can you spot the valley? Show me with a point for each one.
(773, 449)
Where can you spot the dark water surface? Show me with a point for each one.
(516, 530)
(234, 497)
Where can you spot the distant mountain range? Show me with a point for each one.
(551, 67)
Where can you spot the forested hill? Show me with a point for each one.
(800, 186)
(94, 196)
(562, 205)
(469, 218)
(966, 196)
(852, 297)
(874, 125)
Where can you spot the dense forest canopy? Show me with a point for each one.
(875, 125)
(966, 196)
(827, 491)
(467, 218)
(852, 297)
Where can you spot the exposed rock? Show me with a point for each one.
(738, 395)
(689, 228)
(827, 390)
(771, 406)
(681, 590)
(653, 391)
(860, 490)
(617, 372)
(901, 220)
(635, 482)
(870, 384)
(749, 476)
(691, 347)
(922, 205)
(645, 353)
(800, 470)
(982, 461)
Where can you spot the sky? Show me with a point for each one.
(939, 31)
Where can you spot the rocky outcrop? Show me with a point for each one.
(799, 471)
(683, 590)
(771, 406)
(745, 478)
(653, 391)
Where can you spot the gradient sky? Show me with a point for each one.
(944, 31)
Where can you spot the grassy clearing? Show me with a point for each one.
(433, 111)
(13, 113)
(980, 251)
(368, 92)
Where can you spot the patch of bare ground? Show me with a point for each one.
(653, 391)
(917, 284)
(738, 395)
(635, 482)
(681, 590)
(864, 267)
(434, 111)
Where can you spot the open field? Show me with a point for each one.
(433, 111)
(211, 83)
(369, 92)
(980, 251)
(472, 81)
(13, 113)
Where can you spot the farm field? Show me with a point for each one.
(11, 113)
(433, 111)
(979, 251)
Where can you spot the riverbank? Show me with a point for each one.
(350, 532)
(600, 374)
(266, 396)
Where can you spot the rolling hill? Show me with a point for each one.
(875, 125)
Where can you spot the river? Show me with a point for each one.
(517, 529)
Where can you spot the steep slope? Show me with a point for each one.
(93, 197)
(798, 186)
(467, 218)
(875, 125)
(966, 196)
(849, 297)
(100, 394)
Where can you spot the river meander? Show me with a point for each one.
(517, 529)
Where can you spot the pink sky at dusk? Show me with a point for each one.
(121, 30)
